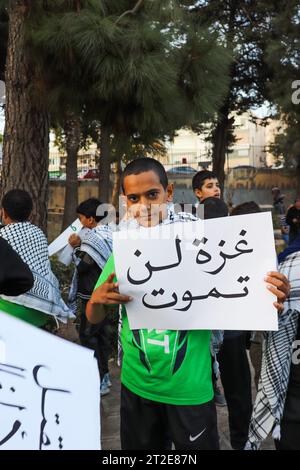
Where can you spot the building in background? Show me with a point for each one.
(250, 148)
(57, 160)
(190, 152)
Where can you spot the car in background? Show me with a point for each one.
(181, 171)
(91, 174)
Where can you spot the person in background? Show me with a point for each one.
(277, 405)
(279, 209)
(43, 302)
(235, 368)
(206, 184)
(90, 255)
(206, 187)
(278, 199)
(15, 276)
(293, 220)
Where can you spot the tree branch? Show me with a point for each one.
(131, 12)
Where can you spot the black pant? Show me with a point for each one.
(290, 436)
(236, 381)
(96, 337)
(150, 425)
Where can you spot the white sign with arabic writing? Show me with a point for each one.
(199, 275)
(49, 393)
(62, 240)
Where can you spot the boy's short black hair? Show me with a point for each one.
(201, 176)
(143, 164)
(17, 204)
(214, 208)
(246, 208)
(89, 207)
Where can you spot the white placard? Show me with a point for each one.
(62, 240)
(49, 394)
(65, 255)
(199, 275)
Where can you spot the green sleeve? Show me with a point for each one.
(108, 269)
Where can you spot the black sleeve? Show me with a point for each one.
(15, 276)
(290, 216)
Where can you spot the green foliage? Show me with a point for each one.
(283, 57)
(286, 147)
(127, 71)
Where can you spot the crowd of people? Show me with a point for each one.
(168, 398)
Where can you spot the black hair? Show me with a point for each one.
(89, 207)
(18, 205)
(214, 208)
(201, 176)
(246, 208)
(143, 164)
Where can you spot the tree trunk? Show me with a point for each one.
(220, 139)
(298, 179)
(26, 134)
(72, 129)
(117, 185)
(222, 133)
(104, 165)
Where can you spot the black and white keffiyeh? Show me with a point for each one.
(32, 246)
(172, 217)
(97, 243)
(276, 363)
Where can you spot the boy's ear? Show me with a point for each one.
(3, 214)
(198, 193)
(170, 192)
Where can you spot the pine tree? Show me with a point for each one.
(241, 26)
(283, 57)
(26, 134)
(140, 69)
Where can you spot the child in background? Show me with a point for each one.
(206, 184)
(90, 255)
(43, 302)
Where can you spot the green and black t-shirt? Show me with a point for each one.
(167, 366)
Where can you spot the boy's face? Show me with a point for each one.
(146, 198)
(87, 222)
(210, 188)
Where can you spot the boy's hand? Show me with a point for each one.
(279, 286)
(74, 240)
(108, 293)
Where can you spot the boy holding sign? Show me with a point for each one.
(167, 390)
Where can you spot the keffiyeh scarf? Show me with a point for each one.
(32, 246)
(276, 363)
(97, 243)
